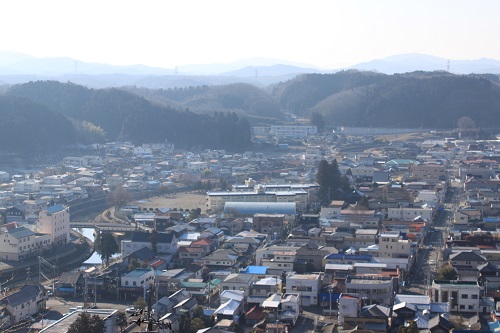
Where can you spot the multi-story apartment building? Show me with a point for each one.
(462, 296)
(277, 252)
(54, 220)
(270, 224)
(372, 289)
(26, 186)
(292, 132)
(392, 245)
(307, 285)
(427, 171)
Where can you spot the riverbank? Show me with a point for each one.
(66, 257)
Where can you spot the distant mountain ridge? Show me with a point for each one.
(20, 68)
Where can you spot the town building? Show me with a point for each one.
(54, 220)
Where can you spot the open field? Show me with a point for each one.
(188, 200)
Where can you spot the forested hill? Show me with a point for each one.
(121, 115)
(412, 100)
(242, 98)
(28, 126)
(217, 116)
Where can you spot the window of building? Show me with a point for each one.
(465, 296)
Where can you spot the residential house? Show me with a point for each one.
(24, 303)
(14, 214)
(186, 307)
(221, 258)
(189, 254)
(69, 284)
(260, 289)
(166, 304)
(238, 281)
(228, 310)
(374, 318)
(166, 243)
(470, 260)
(215, 234)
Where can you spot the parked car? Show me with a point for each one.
(131, 310)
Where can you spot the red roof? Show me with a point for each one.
(254, 313)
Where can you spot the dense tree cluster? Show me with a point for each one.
(334, 185)
(28, 126)
(412, 100)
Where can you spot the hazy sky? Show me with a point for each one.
(328, 34)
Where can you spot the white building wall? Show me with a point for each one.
(56, 224)
(307, 285)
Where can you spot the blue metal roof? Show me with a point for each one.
(54, 209)
(21, 232)
(254, 270)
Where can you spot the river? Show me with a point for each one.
(95, 259)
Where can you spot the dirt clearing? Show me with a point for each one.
(189, 200)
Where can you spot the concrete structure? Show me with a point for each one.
(392, 245)
(270, 224)
(54, 220)
(140, 277)
(62, 325)
(427, 171)
(372, 289)
(462, 296)
(349, 306)
(21, 243)
(409, 213)
(301, 194)
(307, 285)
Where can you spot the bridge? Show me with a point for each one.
(113, 227)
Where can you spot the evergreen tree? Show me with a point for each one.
(333, 184)
(316, 119)
(106, 246)
(154, 241)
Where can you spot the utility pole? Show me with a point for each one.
(86, 291)
(95, 289)
(39, 270)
